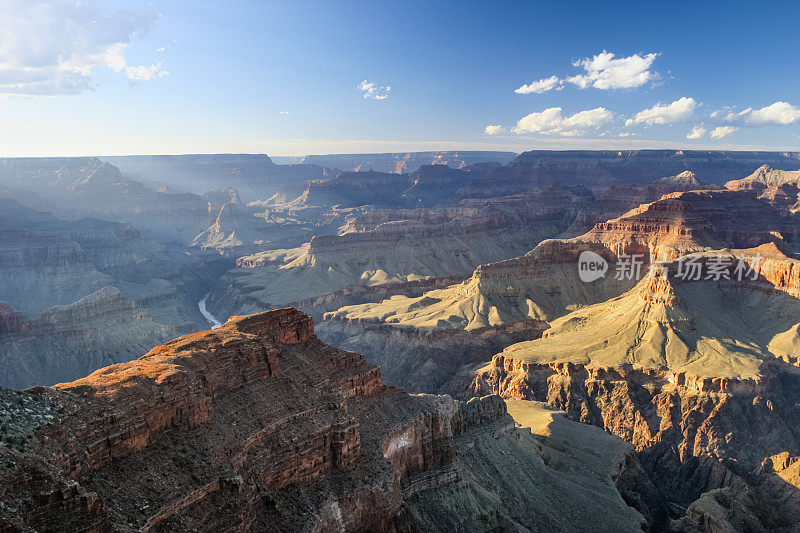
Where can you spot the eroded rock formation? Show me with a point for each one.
(780, 187)
(385, 246)
(259, 426)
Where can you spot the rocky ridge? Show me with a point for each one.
(273, 430)
(66, 342)
(780, 187)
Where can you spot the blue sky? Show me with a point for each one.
(174, 76)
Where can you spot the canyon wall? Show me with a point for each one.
(259, 426)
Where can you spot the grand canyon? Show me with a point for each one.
(399, 267)
(350, 349)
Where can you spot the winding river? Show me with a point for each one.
(211, 318)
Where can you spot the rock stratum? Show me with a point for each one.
(258, 426)
(384, 246)
(70, 341)
(545, 284)
(700, 375)
(88, 293)
(780, 187)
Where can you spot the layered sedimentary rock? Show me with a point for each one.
(380, 247)
(352, 189)
(690, 373)
(133, 292)
(241, 230)
(780, 187)
(259, 426)
(67, 342)
(600, 169)
(47, 262)
(620, 198)
(402, 162)
(429, 185)
(547, 283)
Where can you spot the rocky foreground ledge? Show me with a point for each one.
(259, 426)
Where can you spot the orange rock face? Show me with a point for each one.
(236, 420)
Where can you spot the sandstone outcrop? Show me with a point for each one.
(259, 426)
(780, 187)
(544, 284)
(698, 375)
(620, 198)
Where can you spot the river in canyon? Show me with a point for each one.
(211, 318)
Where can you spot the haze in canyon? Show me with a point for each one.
(343, 267)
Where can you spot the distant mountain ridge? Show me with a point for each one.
(400, 162)
(255, 176)
(598, 169)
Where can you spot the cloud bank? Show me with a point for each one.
(603, 71)
(777, 114)
(551, 122)
(541, 86)
(696, 133)
(53, 47)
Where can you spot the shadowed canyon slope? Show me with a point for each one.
(81, 294)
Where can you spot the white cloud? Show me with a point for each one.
(676, 112)
(145, 73)
(492, 130)
(722, 131)
(541, 86)
(374, 91)
(53, 47)
(696, 133)
(551, 122)
(605, 72)
(779, 114)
